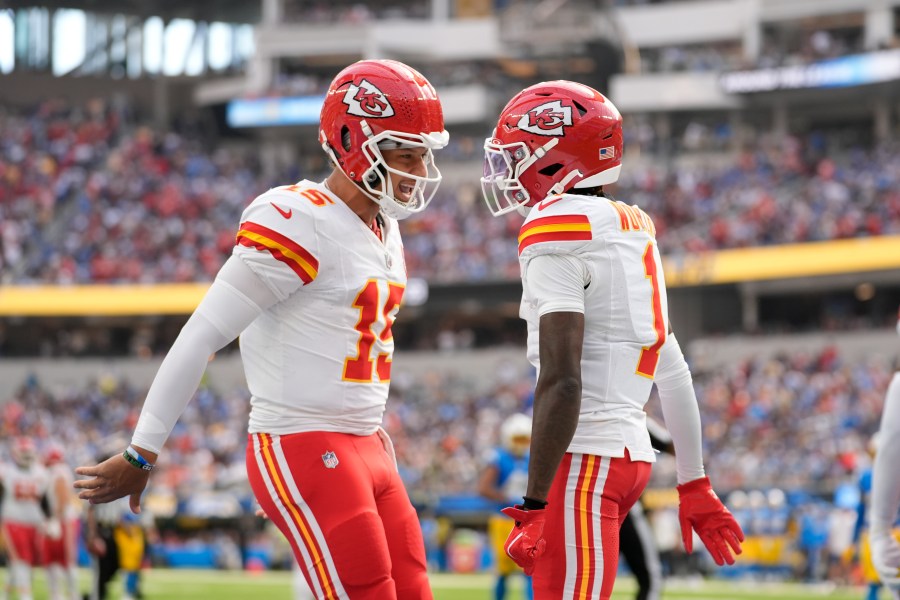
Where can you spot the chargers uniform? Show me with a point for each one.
(608, 249)
(318, 364)
(512, 479)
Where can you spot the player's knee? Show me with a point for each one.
(360, 551)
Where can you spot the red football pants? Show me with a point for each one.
(589, 499)
(339, 500)
(63, 551)
(23, 542)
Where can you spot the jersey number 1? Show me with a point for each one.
(362, 367)
(650, 354)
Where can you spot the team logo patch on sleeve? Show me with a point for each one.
(330, 459)
(366, 100)
(560, 228)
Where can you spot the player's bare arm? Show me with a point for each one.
(234, 300)
(557, 397)
(487, 484)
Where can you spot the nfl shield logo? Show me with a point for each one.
(330, 459)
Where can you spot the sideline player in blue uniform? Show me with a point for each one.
(504, 479)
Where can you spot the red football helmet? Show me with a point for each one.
(551, 137)
(375, 104)
(53, 454)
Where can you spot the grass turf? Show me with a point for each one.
(166, 584)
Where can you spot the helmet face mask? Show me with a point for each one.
(502, 166)
(375, 103)
(551, 137)
(378, 183)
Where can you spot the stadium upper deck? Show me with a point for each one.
(768, 166)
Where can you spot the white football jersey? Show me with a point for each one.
(61, 471)
(320, 359)
(600, 257)
(22, 493)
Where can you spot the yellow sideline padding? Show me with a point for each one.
(101, 300)
(858, 255)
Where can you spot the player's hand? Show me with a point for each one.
(701, 510)
(526, 542)
(112, 479)
(53, 529)
(97, 546)
(886, 559)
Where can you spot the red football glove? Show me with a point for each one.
(700, 508)
(526, 542)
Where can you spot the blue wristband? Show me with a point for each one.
(133, 457)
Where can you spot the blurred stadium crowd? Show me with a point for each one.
(810, 419)
(94, 193)
(91, 194)
(805, 433)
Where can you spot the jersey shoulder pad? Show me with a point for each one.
(556, 224)
(281, 226)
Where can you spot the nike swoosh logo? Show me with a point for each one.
(284, 213)
(547, 203)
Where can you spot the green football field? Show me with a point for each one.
(165, 584)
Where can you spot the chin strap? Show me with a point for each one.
(563, 184)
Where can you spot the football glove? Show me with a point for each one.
(701, 510)
(526, 542)
(53, 529)
(886, 559)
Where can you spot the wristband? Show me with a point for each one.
(136, 460)
(533, 504)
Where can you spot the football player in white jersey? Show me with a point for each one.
(885, 495)
(313, 287)
(23, 491)
(60, 547)
(594, 299)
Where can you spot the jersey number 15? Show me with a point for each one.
(362, 367)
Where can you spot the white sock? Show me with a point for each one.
(54, 579)
(71, 577)
(20, 573)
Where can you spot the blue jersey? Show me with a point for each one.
(512, 473)
(865, 489)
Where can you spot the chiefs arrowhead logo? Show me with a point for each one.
(549, 118)
(366, 100)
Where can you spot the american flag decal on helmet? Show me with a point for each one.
(608, 152)
(330, 459)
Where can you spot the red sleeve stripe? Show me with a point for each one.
(281, 247)
(563, 228)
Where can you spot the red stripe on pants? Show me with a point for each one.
(358, 513)
(621, 488)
